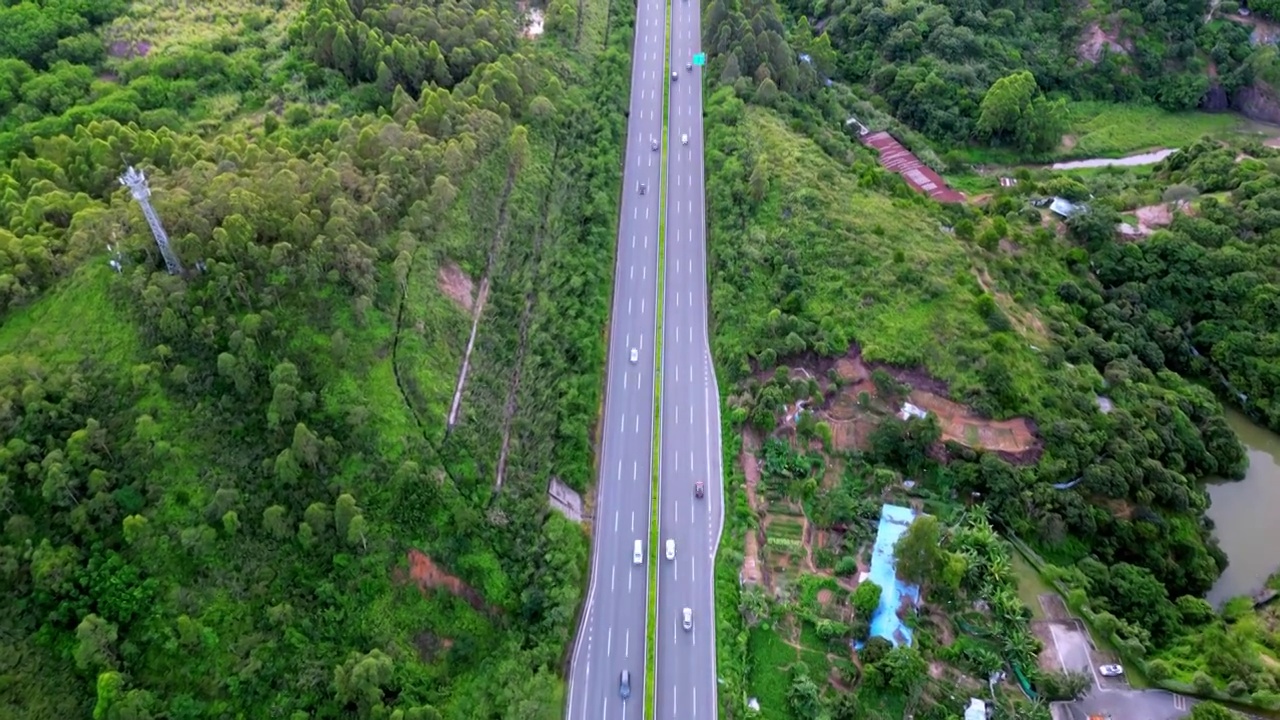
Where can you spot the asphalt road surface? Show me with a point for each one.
(611, 636)
(690, 441)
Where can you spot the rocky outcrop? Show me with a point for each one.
(1257, 101)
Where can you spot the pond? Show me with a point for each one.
(1244, 514)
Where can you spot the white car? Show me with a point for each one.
(684, 139)
(671, 549)
(688, 619)
(635, 355)
(1111, 671)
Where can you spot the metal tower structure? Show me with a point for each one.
(137, 184)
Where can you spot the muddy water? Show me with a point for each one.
(1146, 158)
(1244, 514)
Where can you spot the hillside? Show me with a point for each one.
(933, 67)
(233, 491)
(1060, 400)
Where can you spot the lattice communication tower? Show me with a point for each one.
(137, 184)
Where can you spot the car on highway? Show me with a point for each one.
(684, 138)
(688, 66)
(624, 684)
(637, 555)
(688, 619)
(1111, 670)
(674, 76)
(642, 188)
(697, 489)
(654, 145)
(671, 549)
(635, 355)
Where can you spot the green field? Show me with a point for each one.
(1110, 130)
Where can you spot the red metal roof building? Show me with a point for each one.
(895, 157)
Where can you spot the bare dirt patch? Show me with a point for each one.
(1153, 217)
(1048, 657)
(428, 576)
(1096, 40)
(431, 646)
(456, 286)
(854, 410)
(750, 573)
(961, 426)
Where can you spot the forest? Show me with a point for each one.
(934, 66)
(234, 491)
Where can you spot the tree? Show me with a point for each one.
(357, 531)
(866, 598)
(362, 678)
(95, 648)
(804, 696)
(1013, 110)
(903, 669)
(344, 510)
(918, 553)
(275, 521)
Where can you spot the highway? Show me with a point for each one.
(611, 634)
(690, 415)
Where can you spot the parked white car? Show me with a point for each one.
(1111, 670)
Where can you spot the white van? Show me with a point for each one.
(637, 556)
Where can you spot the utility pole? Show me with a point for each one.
(137, 184)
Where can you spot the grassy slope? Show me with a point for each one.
(1108, 130)
(879, 270)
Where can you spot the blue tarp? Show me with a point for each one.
(894, 521)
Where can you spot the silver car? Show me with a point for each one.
(688, 619)
(1111, 671)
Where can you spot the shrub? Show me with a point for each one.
(874, 650)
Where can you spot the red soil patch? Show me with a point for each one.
(456, 286)
(852, 423)
(961, 426)
(750, 573)
(1095, 40)
(430, 576)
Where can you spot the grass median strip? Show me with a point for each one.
(651, 614)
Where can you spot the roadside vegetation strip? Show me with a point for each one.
(731, 630)
(655, 508)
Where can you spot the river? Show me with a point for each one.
(1244, 514)
(1146, 158)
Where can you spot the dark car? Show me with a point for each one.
(697, 489)
(624, 684)
(642, 188)
(654, 145)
